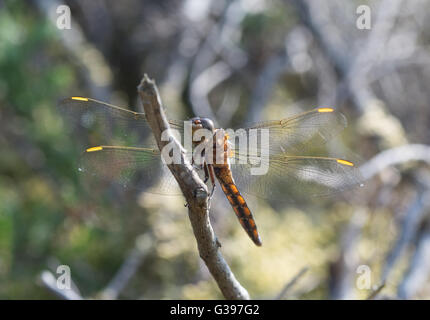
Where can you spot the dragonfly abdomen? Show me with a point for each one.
(238, 203)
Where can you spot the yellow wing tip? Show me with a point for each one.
(94, 149)
(79, 98)
(325, 109)
(345, 162)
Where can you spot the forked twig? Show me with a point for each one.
(195, 192)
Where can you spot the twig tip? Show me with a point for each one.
(146, 83)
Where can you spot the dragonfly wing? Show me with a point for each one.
(103, 123)
(135, 168)
(289, 178)
(297, 134)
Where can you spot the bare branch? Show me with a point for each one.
(206, 72)
(398, 155)
(92, 66)
(417, 274)
(344, 268)
(195, 192)
(128, 269)
(409, 226)
(50, 282)
(376, 291)
(275, 66)
(291, 283)
(204, 83)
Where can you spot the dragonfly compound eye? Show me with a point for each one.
(207, 124)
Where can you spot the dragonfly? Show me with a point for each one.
(118, 150)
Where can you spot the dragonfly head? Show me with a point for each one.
(202, 123)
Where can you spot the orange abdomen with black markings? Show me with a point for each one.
(225, 178)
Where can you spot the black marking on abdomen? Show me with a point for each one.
(241, 210)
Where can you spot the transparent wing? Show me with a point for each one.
(288, 171)
(99, 123)
(140, 168)
(102, 123)
(297, 134)
(289, 178)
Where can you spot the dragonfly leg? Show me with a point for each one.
(205, 167)
(210, 168)
(196, 165)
